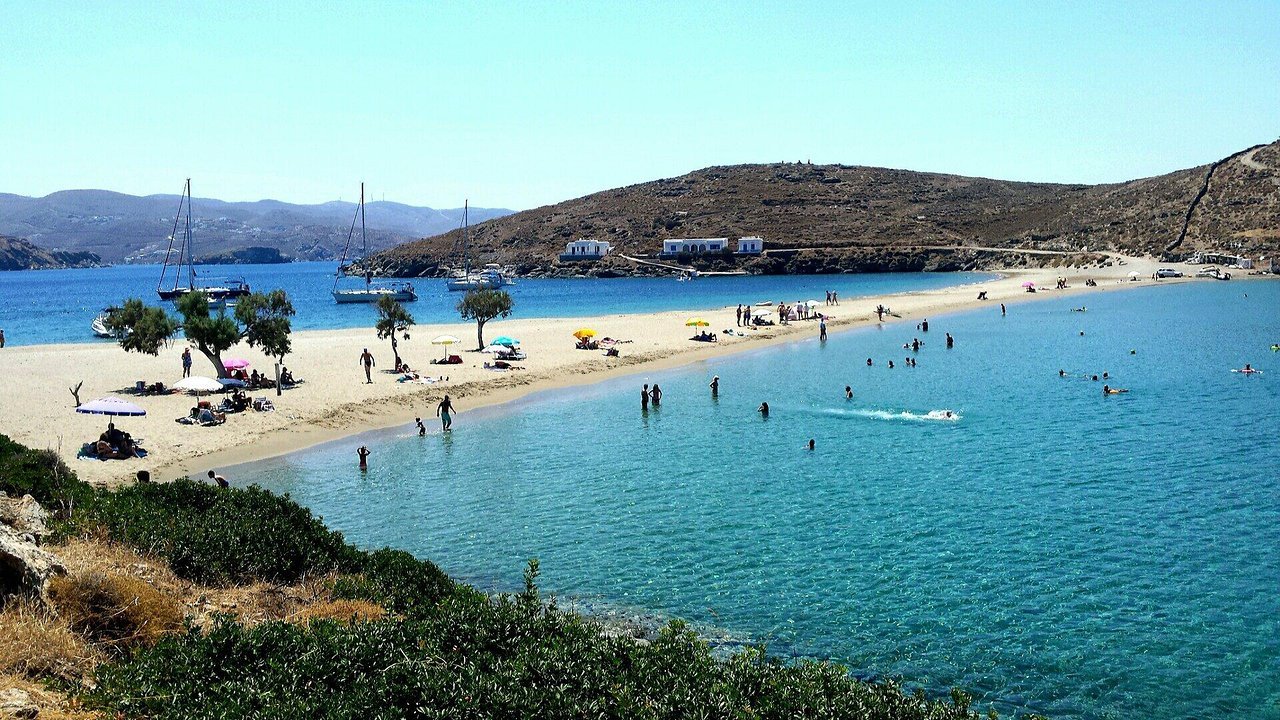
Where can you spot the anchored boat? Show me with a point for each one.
(227, 292)
(372, 291)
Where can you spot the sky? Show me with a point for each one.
(524, 104)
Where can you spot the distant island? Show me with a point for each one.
(245, 256)
(18, 254)
(130, 229)
(845, 218)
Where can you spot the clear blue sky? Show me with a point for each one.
(524, 104)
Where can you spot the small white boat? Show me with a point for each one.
(99, 324)
(491, 277)
(1213, 272)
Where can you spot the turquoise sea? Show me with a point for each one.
(1051, 550)
(57, 306)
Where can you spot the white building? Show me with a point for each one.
(694, 245)
(585, 250)
(750, 245)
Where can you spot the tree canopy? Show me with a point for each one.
(261, 319)
(483, 306)
(392, 318)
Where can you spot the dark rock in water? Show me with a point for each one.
(246, 256)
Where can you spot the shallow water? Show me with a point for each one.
(1048, 549)
(57, 306)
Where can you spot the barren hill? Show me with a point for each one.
(18, 254)
(877, 213)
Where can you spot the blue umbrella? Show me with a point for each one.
(508, 342)
(110, 406)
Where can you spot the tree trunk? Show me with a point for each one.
(480, 334)
(216, 359)
(394, 350)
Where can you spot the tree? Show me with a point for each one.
(392, 317)
(265, 319)
(483, 306)
(261, 319)
(141, 328)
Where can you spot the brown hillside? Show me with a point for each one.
(851, 209)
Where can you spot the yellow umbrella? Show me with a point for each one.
(584, 333)
(697, 322)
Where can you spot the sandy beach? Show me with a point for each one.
(334, 401)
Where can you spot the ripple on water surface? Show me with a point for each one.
(1047, 548)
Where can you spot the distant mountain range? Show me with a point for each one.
(128, 228)
(834, 218)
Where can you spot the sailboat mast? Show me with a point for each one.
(466, 236)
(364, 241)
(173, 234)
(191, 251)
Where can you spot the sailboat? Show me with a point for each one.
(230, 290)
(371, 292)
(491, 277)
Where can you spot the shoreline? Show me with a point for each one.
(334, 403)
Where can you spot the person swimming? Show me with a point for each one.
(810, 443)
(1062, 373)
(848, 393)
(1108, 390)
(764, 409)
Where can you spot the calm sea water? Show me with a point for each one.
(55, 306)
(1052, 550)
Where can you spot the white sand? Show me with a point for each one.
(36, 409)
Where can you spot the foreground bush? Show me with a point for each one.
(491, 659)
(214, 536)
(42, 475)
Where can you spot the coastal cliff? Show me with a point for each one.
(18, 254)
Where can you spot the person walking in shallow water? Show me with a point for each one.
(1001, 309)
(445, 412)
(366, 359)
(644, 397)
(363, 453)
(822, 330)
(655, 395)
(715, 386)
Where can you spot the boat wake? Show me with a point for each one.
(905, 415)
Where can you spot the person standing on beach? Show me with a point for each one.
(656, 395)
(363, 453)
(366, 359)
(219, 480)
(746, 316)
(739, 314)
(644, 397)
(186, 362)
(822, 330)
(445, 412)
(715, 386)
(835, 298)
(1, 337)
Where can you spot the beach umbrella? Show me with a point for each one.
(507, 341)
(584, 333)
(235, 364)
(198, 384)
(110, 405)
(231, 382)
(1028, 284)
(1134, 275)
(696, 322)
(446, 341)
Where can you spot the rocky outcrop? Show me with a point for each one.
(25, 568)
(18, 254)
(17, 703)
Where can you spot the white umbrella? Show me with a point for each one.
(198, 384)
(110, 405)
(446, 340)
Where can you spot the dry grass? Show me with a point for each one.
(52, 705)
(87, 555)
(343, 610)
(36, 644)
(115, 610)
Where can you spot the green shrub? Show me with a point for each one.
(216, 536)
(42, 475)
(396, 580)
(485, 659)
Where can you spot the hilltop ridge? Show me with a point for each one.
(879, 218)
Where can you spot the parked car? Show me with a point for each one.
(1167, 273)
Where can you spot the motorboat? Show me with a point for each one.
(491, 277)
(1213, 272)
(373, 290)
(99, 324)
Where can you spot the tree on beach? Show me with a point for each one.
(392, 318)
(483, 306)
(261, 319)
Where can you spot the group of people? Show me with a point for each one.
(832, 298)
(115, 444)
(654, 395)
